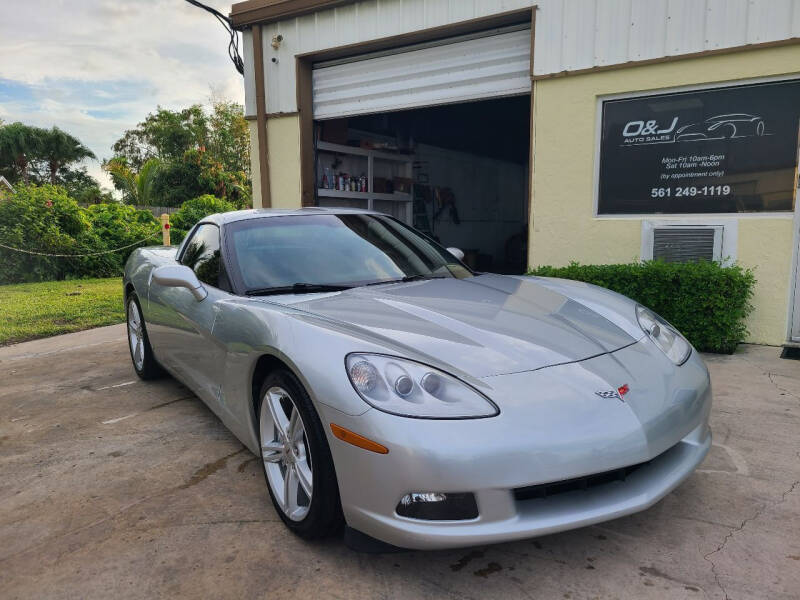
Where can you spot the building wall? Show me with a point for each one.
(255, 166)
(283, 145)
(570, 34)
(283, 149)
(563, 227)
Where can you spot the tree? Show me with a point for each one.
(34, 155)
(20, 146)
(137, 188)
(198, 154)
(58, 149)
(165, 134)
(83, 187)
(198, 174)
(229, 137)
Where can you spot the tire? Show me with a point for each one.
(306, 452)
(146, 366)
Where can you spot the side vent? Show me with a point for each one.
(687, 243)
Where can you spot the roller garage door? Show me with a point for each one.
(492, 64)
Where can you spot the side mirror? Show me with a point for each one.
(180, 276)
(456, 252)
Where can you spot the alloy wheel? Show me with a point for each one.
(136, 335)
(285, 452)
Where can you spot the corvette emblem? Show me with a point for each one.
(618, 393)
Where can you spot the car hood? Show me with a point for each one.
(484, 325)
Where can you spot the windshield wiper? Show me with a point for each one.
(407, 278)
(297, 288)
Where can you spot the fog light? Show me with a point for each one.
(438, 506)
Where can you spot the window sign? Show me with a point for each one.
(726, 150)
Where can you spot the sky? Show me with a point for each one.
(95, 68)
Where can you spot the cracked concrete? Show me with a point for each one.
(739, 528)
(135, 490)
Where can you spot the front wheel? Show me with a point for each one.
(296, 458)
(144, 363)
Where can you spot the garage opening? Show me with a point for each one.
(459, 173)
(437, 135)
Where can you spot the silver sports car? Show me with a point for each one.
(392, 391)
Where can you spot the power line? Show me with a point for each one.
(233, 45)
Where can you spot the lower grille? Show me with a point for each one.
(545, 490)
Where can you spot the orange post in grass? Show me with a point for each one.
(165, 228)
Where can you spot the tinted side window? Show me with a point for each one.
(202, 254)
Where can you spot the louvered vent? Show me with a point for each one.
(683, 244)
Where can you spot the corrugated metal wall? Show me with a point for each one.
(570, 34)
(576, 34)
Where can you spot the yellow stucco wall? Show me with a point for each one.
(766, 246)
(563, 227)
(283, 148)
(283, 136)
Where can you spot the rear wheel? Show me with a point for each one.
(144, 363)
(296, 458)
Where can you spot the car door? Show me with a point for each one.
(181, 328)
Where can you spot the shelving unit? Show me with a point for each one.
(372, 163)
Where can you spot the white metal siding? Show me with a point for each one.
(492, 66)
(580, 34)
(570, 34)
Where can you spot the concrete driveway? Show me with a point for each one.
(115, 488)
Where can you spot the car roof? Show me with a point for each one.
(259, 213)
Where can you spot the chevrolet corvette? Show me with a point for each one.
(393, 393)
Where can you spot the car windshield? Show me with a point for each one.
(297, 253)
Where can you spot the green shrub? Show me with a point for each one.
(708, 303)
(45, 219)
(192, 211)
(116, 226)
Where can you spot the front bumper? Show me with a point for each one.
(663, 423)
(505, 519)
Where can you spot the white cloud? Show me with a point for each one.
(97, 67)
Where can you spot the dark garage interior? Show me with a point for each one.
(458, 172)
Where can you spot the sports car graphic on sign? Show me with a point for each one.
(392, 391)
(722, 127)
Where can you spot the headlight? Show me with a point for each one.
(664, 335)
(410, 389)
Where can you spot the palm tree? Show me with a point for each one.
(58, 148)
(20, 144)
(137, 187)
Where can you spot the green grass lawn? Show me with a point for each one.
(35, 310)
